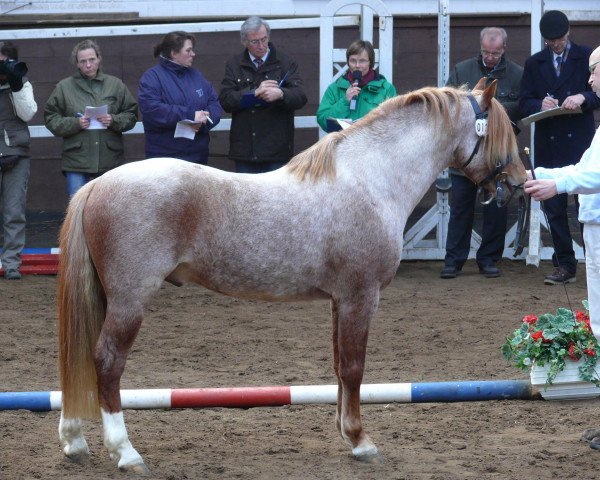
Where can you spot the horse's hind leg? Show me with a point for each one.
(71, 436)
(354, 317)
(118, 333)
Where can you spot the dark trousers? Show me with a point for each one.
(463, 198)
(556, 211)
(257, 167)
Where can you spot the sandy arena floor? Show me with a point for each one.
(426, 329)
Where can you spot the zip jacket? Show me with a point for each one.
(90, 151)
(335, 105)
(169, 93)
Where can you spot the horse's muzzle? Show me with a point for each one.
(502, 188)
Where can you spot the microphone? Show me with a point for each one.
(356, 77)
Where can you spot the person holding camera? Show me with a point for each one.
(17, 107)
(92, 142)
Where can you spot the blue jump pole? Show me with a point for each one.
(34, 401)
(471, 391)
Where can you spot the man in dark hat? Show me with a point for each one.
(558, 76)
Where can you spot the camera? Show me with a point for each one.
(12, 67)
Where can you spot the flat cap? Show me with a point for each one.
(554, 24)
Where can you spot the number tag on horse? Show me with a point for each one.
(481, 126)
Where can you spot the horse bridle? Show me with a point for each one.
(498, 175)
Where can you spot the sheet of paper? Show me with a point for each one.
(345, 122)
(335, 124)
(92, 113)
(184, 129)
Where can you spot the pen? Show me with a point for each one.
(284, 78)
(209, 119)
(552, 97)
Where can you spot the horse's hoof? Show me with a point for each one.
(368, 455)
(595, 443)
(590, 434)
(79, 458)
(139, 469)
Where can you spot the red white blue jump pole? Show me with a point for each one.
(248, 397)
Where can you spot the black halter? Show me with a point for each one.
(479, 115)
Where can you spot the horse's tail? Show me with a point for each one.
(81, 311)
(318, 160)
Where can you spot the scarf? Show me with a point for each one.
(364, 80)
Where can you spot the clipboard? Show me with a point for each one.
(553, 112)
(249, 100)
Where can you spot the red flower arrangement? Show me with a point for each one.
(552, 339)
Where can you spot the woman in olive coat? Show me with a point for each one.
(91, 146)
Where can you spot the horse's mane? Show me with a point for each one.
(318, 161)
(436, 101)
(500, 142)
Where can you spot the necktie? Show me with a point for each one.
(258, 61)
(558, 64)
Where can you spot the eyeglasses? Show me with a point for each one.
(357, 61)
(258, 41)
(593, 67)
(485, 53)
(556, 41)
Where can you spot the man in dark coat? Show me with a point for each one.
(558, 76)
(261, 90)
(492, 64)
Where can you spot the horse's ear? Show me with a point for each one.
(488, 94)
(480, 85)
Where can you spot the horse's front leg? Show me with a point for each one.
(117, 336)
(336, 363)
(354, 318)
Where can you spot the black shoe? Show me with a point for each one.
(450, 271)
(489, 271)
(559, 276)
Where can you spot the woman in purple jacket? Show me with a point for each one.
(173, 91)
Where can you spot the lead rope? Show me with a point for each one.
(530, 165)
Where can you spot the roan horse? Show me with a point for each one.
(329, 225)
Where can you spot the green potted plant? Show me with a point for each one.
(549, 341)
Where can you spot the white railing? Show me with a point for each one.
(575, 9)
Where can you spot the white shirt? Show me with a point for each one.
(583, 178)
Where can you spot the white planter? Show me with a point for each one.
(566, 386)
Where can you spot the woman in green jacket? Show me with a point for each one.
(355, 94)
(91, 145)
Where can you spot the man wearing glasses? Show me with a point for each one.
(261, 90)
(558, 76)
(492, 64)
